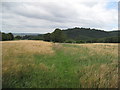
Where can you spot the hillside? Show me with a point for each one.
(73, 35)
(87, 33)
(80, 34)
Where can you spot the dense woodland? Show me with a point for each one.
(6, 36)
(72, 35)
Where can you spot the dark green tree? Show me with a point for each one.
(0, 36)
(18, 37)
(4, 37)
(10, 36)
(47, 37)
(58, 36)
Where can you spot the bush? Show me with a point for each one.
(70, 41)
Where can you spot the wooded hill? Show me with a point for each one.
(76, 35)
(88, 34)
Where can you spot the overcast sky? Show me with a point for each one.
(45, 15)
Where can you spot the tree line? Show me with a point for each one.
(6, 36)
(56, 36)
(59, 36)
(65, 36)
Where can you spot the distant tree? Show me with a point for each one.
(0, 36)
(80, 41)
(58, 36)
(26, 37)
(70, 41)
(76, 28)
(10, 35)
(6, 37)
(112, 40)
(47, 37)
(18, 37)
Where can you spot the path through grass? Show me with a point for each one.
(49, 65)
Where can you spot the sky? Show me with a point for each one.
(43, 16)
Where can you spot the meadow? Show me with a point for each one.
(39, 64)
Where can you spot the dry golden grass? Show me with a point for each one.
(0, 60)
(105, 75)
(94, 65)
(102, 48)
(11, 50)
(27, 46)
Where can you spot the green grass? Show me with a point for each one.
(71, 66)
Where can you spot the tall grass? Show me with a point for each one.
(38, 64)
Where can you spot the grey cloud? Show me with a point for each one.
(44, 16)
(52, 12)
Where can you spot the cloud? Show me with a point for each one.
(45, 15)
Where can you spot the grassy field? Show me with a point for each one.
(38, 64)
